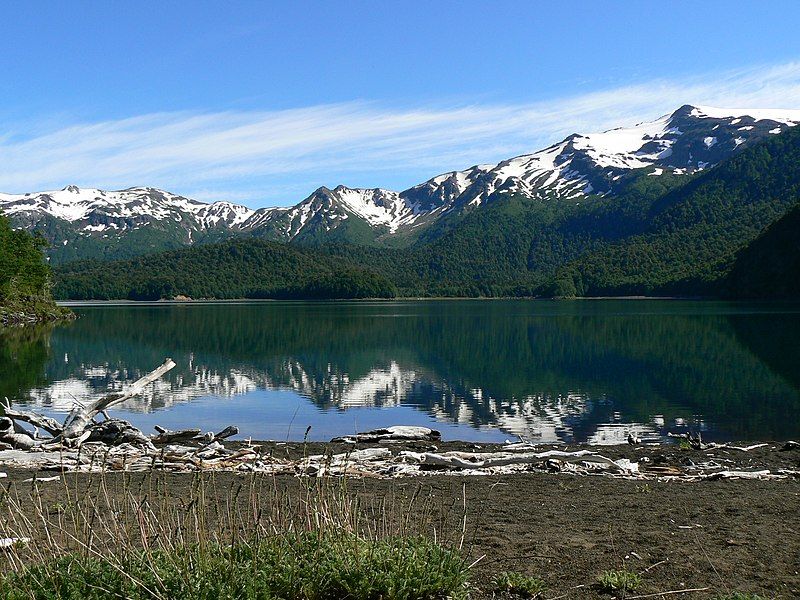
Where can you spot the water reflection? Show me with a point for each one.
(551, 371)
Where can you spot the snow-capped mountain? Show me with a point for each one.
(328, 209)
(91, 222)
(689, 140)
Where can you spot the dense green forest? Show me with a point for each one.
(243, 268)
(770, 266)
(24, 277)
(665, 235)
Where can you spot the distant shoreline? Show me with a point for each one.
(69, 303)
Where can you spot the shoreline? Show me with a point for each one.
(410, 459)
(21, 317)
(191, 301)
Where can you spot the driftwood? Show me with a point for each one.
(696, 442)
(763, 474)
(165, 436)
(50, 425)
(395, 433)
(551, 460)
(117, 431)
(379, 461)
(11, 435)
(80, 425)
(81, 417)
(229, 431)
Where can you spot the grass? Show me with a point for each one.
(620, 580)
(308, 566)
(517, 584)
(140, 538)
(739, 596)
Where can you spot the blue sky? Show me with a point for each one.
(262, 102)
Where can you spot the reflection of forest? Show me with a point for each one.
(24, 351)
(576, 365)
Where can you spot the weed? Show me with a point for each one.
(308, 565)
(518, 584)
(619, 581)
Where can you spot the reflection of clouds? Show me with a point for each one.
(543, 418)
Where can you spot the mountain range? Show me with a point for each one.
(83, 223)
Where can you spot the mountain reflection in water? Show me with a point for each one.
(583, 371)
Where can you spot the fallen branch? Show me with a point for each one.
(49, 424)
(669, 593)
(165, 436)
(393, 434)
(82, 416)
(16, 438)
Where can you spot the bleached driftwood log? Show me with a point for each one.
(763, 474)
(487, 460)
(165, 436)
(49, 424)
(11, 435)
(403, 433)
(81, 417)
(696, 442)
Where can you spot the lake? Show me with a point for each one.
(549, 371)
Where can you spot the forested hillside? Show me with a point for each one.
(770, 266)
(24, 278)
(234, 269)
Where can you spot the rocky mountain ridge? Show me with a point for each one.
(93, 223)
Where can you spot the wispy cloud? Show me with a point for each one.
(277, 157)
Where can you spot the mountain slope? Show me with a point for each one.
(90, 223)
(770, 266)
(693, 233)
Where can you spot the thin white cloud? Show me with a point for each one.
(265, 156)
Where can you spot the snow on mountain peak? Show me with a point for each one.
(379, 207)
(80, 204)
(789, 117)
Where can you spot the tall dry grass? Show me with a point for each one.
(159, 536)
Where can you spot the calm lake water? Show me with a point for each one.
(582, 371)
